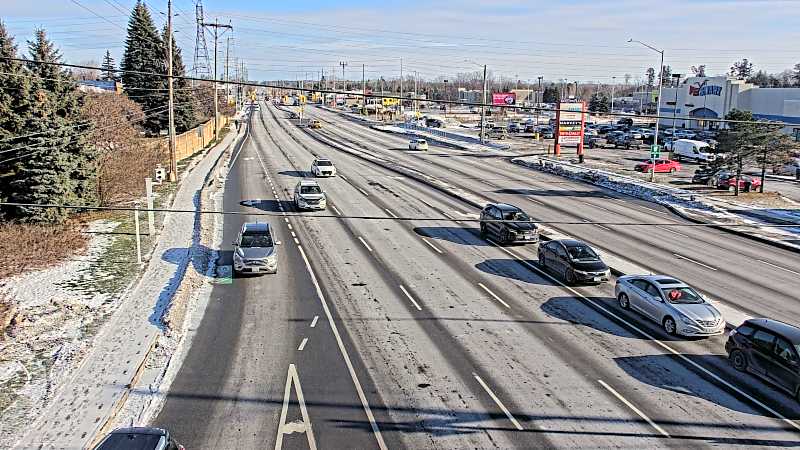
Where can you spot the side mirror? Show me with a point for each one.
(235, 244)
(278, 242)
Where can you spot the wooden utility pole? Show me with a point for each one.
(173, 155)
(216, 27)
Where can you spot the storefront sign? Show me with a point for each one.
(504, 98)
(570, 120)
(699, 89)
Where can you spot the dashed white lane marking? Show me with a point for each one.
(362, 191)
(498, 402)
(296, 241)
(302, 345)
(363, 398)
(494, 295)
(288, 224)
(674, 232)
(633, 407)
(343, 177)
(293, 235)
(778, 267)
(448, 215)
(597, 225)
(365, 244)
(650, 337)
(402, 288)
(286, 219)
(432, 246)
(531, 199)
(693, 261)
(336, 210)
(314, 322)
(390, 212)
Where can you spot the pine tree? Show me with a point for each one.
(57, 166)
(15, 105)
(185, 117)
(108, 69)
(599, 102)
(144, 52)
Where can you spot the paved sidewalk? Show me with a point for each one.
(82, 404)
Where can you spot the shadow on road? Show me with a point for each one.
(511, 268)
(458, 235)
(266, 205)
(295, 173)
(552, 192)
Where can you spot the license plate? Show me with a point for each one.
(255, 269)
(598, 278)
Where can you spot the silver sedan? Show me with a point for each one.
(670, 302)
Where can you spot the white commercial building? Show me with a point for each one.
(700, 98)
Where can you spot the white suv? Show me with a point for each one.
(308, 195)
(417, 144)
(323, 167)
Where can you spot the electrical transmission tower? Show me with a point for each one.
(202, 64)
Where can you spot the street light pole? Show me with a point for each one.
(173, 156)
(483, 107)
(613, 82)
(539, 102)
(658, 106)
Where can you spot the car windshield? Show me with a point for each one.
(310, 190)
(582, 253)
(516, 215)
(118, 441)
(682, 295)
(324, 163)
(256, 239)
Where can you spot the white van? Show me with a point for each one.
(692, 150)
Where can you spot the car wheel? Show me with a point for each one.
(670, 327)
(672, 170)
(542, 263)
(483, 230)
(569, 277)
(624, 302)
(505, 236)
(738, 360)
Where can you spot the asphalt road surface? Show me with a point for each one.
(418, 333)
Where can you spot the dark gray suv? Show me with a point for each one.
(139, 438)
(768, 349)
(508, 224)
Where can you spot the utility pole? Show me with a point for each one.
(227, 66)
(483, 107)
(344, 83)
(364, 87)
(539, 102)
(401, 86)
(216, 27)
(613, 83)
(173, 155)
(416, 95)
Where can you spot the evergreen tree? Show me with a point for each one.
(144, 52)
(108, 68)
(550, 94)
(742, 69)
(57, 165)
(651, 77)
(14, 107)
(185, 118)
(599, 102)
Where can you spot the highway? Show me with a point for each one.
(419, 334)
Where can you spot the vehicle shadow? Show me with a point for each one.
(458, 235)
(266, 205)
(513, 269)
(671, 372)
(295, 173)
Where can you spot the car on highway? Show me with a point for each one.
(417, 144)
(309, 195)
(508, 224)
(670, 302)
(255, 249)
(574, 260)
(315, 124)
(323, 167)
(661, 166)
(138, 438)
(769, 350)
(725, 179)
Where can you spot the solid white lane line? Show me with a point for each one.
(530, 199)
(448, 215)
(498, 402)
(302, 344)
(343, 177)
(494, 295)
(693, 261)
(365, 244)
(363, 398)
(651, 338)
(362, 191)
(674, 232)
(778, 267)
(402, 288)
(598, 226)
(390, 212)
(314, 322)
(432, 246)
(336, 210)
(633, 407)
(296, 241)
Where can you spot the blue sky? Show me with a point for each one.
(577, 40)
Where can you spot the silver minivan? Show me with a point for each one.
(670, 302)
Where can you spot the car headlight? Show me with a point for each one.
(272, 260)
(685, 319)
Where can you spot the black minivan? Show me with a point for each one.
(769, 349)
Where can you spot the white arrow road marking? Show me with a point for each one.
(296, 426)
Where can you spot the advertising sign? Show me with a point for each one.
(570, 120)
(699, 89)
(504, 98)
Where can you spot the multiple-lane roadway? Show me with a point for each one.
(379, 332)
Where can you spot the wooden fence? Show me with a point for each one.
(194, 140)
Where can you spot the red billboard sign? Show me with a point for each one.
(504, 98)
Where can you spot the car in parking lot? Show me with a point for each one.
(417, 144)
(574, 260)
(725, 179)
(790, 167)
(595, 142)
(661, 166)
(670, 302)
(508, 224)
(769, 350)
(309, 195)
(323, 167)
(627, 141)
(138, 438)
(514, 127)
(498, 132)
(255, 249)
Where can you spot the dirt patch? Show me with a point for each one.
(7, 311)
(25, 247)
(765, 200)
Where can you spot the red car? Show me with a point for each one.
(662, 166)
(727, 180)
